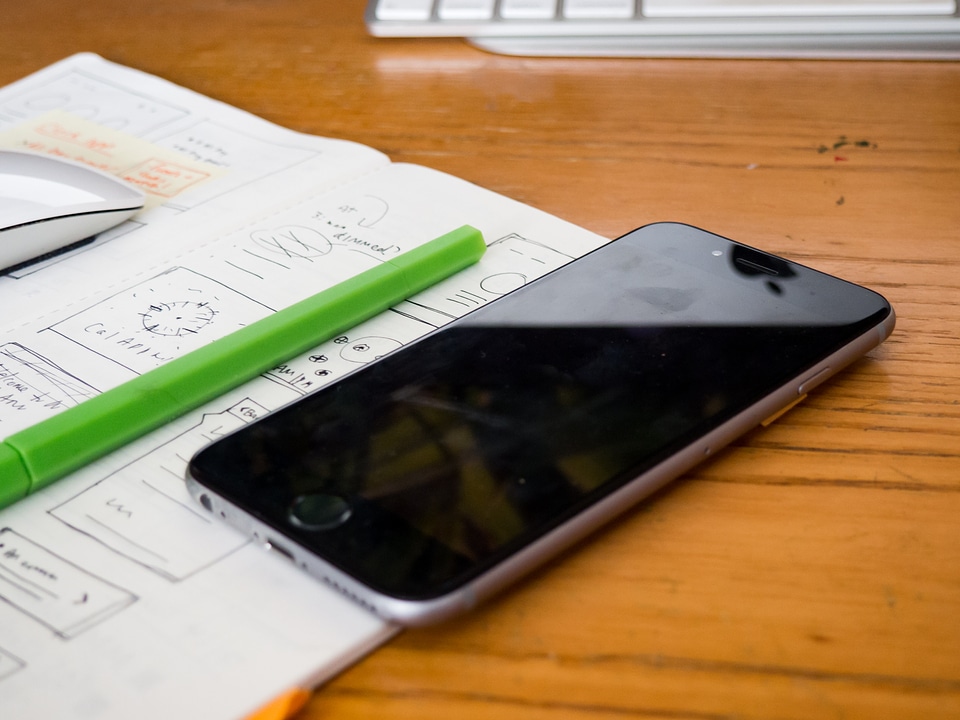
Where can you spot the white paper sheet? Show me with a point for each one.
(121, 598)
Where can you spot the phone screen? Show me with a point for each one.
(428, 467)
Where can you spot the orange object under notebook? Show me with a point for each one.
(283, 706)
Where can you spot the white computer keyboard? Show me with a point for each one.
(697, 28)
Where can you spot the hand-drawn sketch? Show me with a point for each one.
(335, 358)
(503, 283)
(176, 319)
(33, 387)
(53, 591)
(144, 513)
(301, 380)
(146, 325)
(289, 215)
(296, 249)
(371, 210)
(364, 211)
(511, 261)
(91, 97)
(247, 157)
(345, 223)
(164, 178)
(9, 664)
(292, 241)
(364, 349)
(325, 367)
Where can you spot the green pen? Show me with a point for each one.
(43, 453)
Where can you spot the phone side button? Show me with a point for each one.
(811, 382)
(783, 411)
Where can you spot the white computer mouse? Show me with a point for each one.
(48, 204)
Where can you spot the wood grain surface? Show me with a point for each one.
(811, 571)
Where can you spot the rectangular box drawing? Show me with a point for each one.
(511, 262)
(33, 387)
(155, 321)
(343, 354)
(9, 664)
(144, 512)
(163, 177)
(53, 591)
(97, 100)
(246, 156)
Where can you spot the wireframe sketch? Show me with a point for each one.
(363, 211)
(144, 512)
(341, 355)
(346, 221)
(245, 156)
(328, 363)
(510, 262)
(162, 318)
(94, 99)
(33, 387)
(364, 349)
(292, 241)
(53, 591)
(9, 664)
(300, 247)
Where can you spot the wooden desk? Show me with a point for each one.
(813, 571)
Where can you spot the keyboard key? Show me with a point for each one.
(785, 8)
(528, 9)
(404, 9)
(465, 9)
(598, 9)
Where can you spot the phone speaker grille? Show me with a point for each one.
(347, 593)
(757, 267)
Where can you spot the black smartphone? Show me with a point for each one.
(426, 481)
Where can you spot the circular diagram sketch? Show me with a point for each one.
(502, 283)
(365, 349)
(177, 319)
(292, 241)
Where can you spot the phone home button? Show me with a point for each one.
(319, 511)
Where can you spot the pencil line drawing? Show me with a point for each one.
(35, 386)
(96, 99)
(52, 590)
(143, 511)
(9, 664)
(148, 324)
(511, 262)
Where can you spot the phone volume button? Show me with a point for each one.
(811, 382)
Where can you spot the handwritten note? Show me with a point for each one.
(159, 172)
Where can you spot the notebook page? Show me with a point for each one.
(251, 164)
(117, 589)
